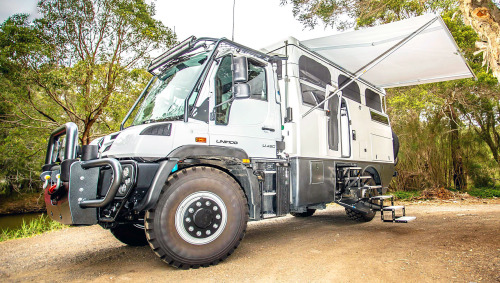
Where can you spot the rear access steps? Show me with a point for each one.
(392, 208)
(355, 185)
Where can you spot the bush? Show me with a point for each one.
(406, 195)
(33, 227)
(484, 192)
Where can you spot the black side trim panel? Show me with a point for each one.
(158, 130)
(159, 180)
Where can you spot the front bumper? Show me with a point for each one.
(71, 187)
(76, 201)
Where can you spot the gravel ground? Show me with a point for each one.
(449, 242)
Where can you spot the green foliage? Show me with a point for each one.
(484, 192)
(81, 61)
(406, 195)
(34, 227)
(344, 14)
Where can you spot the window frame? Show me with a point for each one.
(263, 66)
(303, 81)
(380, 109)
(348, 88)
(222, 58)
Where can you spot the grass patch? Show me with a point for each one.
(484, 192)
(33, 227)
(406, 195)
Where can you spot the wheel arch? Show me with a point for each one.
(226, 159)
(372, 171)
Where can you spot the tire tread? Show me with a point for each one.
(150, 215)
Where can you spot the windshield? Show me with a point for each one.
(165, 98)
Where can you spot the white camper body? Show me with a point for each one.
(223, 134)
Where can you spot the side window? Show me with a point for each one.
(257, 81)
(351, 91)
(313, 78)
(223, 90)
(373, 100)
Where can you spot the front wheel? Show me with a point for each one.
(307, 213)
(199, 220)
(130, 234)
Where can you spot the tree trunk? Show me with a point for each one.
(484, 17)
(459, 178)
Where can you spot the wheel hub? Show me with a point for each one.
(201, 218)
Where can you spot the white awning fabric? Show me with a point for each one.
(430, 56)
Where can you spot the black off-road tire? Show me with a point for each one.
(193, 188)
(359, 216)
(130, 234)
(309, 212)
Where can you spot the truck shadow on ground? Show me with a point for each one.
(263, 234)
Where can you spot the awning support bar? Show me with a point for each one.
(374, 62)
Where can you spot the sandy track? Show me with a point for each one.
(448, 242)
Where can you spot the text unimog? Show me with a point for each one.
(223, 134)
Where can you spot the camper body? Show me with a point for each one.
(223, 134)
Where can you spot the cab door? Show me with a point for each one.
(252, 124)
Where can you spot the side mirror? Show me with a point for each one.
(240, 69)
(241, 91)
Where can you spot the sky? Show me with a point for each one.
(258, 23)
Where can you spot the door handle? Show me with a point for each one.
(267, 129)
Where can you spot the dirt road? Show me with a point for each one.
(447, 243)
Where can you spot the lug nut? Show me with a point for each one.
(207, 203)
(215, 208)
(191, 228)
(217, 216)
(188, 220)
(198, 233)
(208, 232)
(198, 204)
(216, 226)
(191, 210)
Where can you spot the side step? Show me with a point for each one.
(394, 219)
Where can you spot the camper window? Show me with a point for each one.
(373, 100)
(351, 91)
(223, 90)
(257, 80)
(313, 78)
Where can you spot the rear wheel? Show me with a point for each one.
(307, 213)
(359, 216)
(199, 220)
(130, 234)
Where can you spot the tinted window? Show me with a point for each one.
(351, 91)
(257, 81)
(313, 72)
(311, 95)
(379, 118)
(317, 74)
(223, 90)
(373, 100)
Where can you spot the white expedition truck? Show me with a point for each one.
(223, 134)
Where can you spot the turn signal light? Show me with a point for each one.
(200, 139)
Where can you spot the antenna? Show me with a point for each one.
(234, 4)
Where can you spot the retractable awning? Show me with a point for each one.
(409, 52)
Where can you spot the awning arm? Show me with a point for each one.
(374, 62)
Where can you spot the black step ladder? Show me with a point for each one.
(394, 218)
